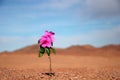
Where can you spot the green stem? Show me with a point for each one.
(50, 64)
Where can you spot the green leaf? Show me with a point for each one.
(40, 54)
(47, 51)
(53, 50)
(42, 50)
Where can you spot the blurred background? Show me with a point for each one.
(75, 22)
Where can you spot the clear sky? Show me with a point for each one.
(75, 22)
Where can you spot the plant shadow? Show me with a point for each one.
(49, 74)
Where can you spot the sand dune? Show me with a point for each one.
(77, 55)
(108, 50)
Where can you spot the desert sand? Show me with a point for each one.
(73, 63)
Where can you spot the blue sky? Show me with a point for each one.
(75, 22)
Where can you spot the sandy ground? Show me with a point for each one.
(66, 67)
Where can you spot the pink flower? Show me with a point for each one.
(50, 35)
(47, 39)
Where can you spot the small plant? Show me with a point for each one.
(46, 43)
